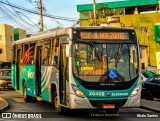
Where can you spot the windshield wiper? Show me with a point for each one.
(118, 54)
(95, 51)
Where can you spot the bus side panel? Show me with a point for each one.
(45, 82)
(45, 94)
(29, 75)
(22, 76)
(13, 77)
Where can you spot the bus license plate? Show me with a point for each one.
(108, 106)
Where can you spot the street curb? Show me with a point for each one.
(5, 103)
(149, 108)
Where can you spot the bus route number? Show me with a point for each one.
(96, 93)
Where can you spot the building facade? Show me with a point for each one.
(19, 34)
(131, 16)
(6, 42)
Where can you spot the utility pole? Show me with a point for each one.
(41, 15)
(94, 11)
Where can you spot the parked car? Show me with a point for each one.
(151, 87)
(5, 78)
(145, 74)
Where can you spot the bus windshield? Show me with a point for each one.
(94, 62)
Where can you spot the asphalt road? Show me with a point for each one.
(46, 111)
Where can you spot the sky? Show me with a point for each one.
(28, 21)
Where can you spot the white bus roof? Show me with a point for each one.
(62, 31)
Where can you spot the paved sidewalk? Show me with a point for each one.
(3, 105)
(151, 105)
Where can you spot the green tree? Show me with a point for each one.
(104, 11)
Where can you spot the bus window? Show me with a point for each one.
(46, 54)
(123, 60)
(31, 53)
(28, 53)
(25, 54)
(55, 47)
(18, 54)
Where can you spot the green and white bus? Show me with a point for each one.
(79, 68)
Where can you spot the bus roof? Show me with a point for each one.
(44, 35)
(63, 31)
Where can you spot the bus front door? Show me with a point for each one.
(63, 74)
(38, 69)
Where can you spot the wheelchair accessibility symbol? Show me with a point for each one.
(113, 74)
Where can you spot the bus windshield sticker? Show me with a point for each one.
(113, 74)
(87, 68)
(93, 72)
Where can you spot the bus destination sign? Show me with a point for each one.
(104, 35)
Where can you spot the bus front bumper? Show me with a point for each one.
(84, 103)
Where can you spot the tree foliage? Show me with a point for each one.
(104, 11)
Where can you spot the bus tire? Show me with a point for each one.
(32, 99)
(59, 109)
(25, 96)
(64, 111)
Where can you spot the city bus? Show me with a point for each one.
(79, 68)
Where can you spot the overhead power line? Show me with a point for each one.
(14, 18)
(35, 12)
(17, 13)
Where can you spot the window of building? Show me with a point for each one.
(10, 38)
(144, 29)
(0, 37)
(0, 50)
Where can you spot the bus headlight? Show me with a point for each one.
(135, 92)
(77, 91)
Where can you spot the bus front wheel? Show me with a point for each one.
(59, 109)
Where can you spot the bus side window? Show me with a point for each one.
(24, 55)
(46, 53)
(55, 48)
(55, 60)
(31, 56)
